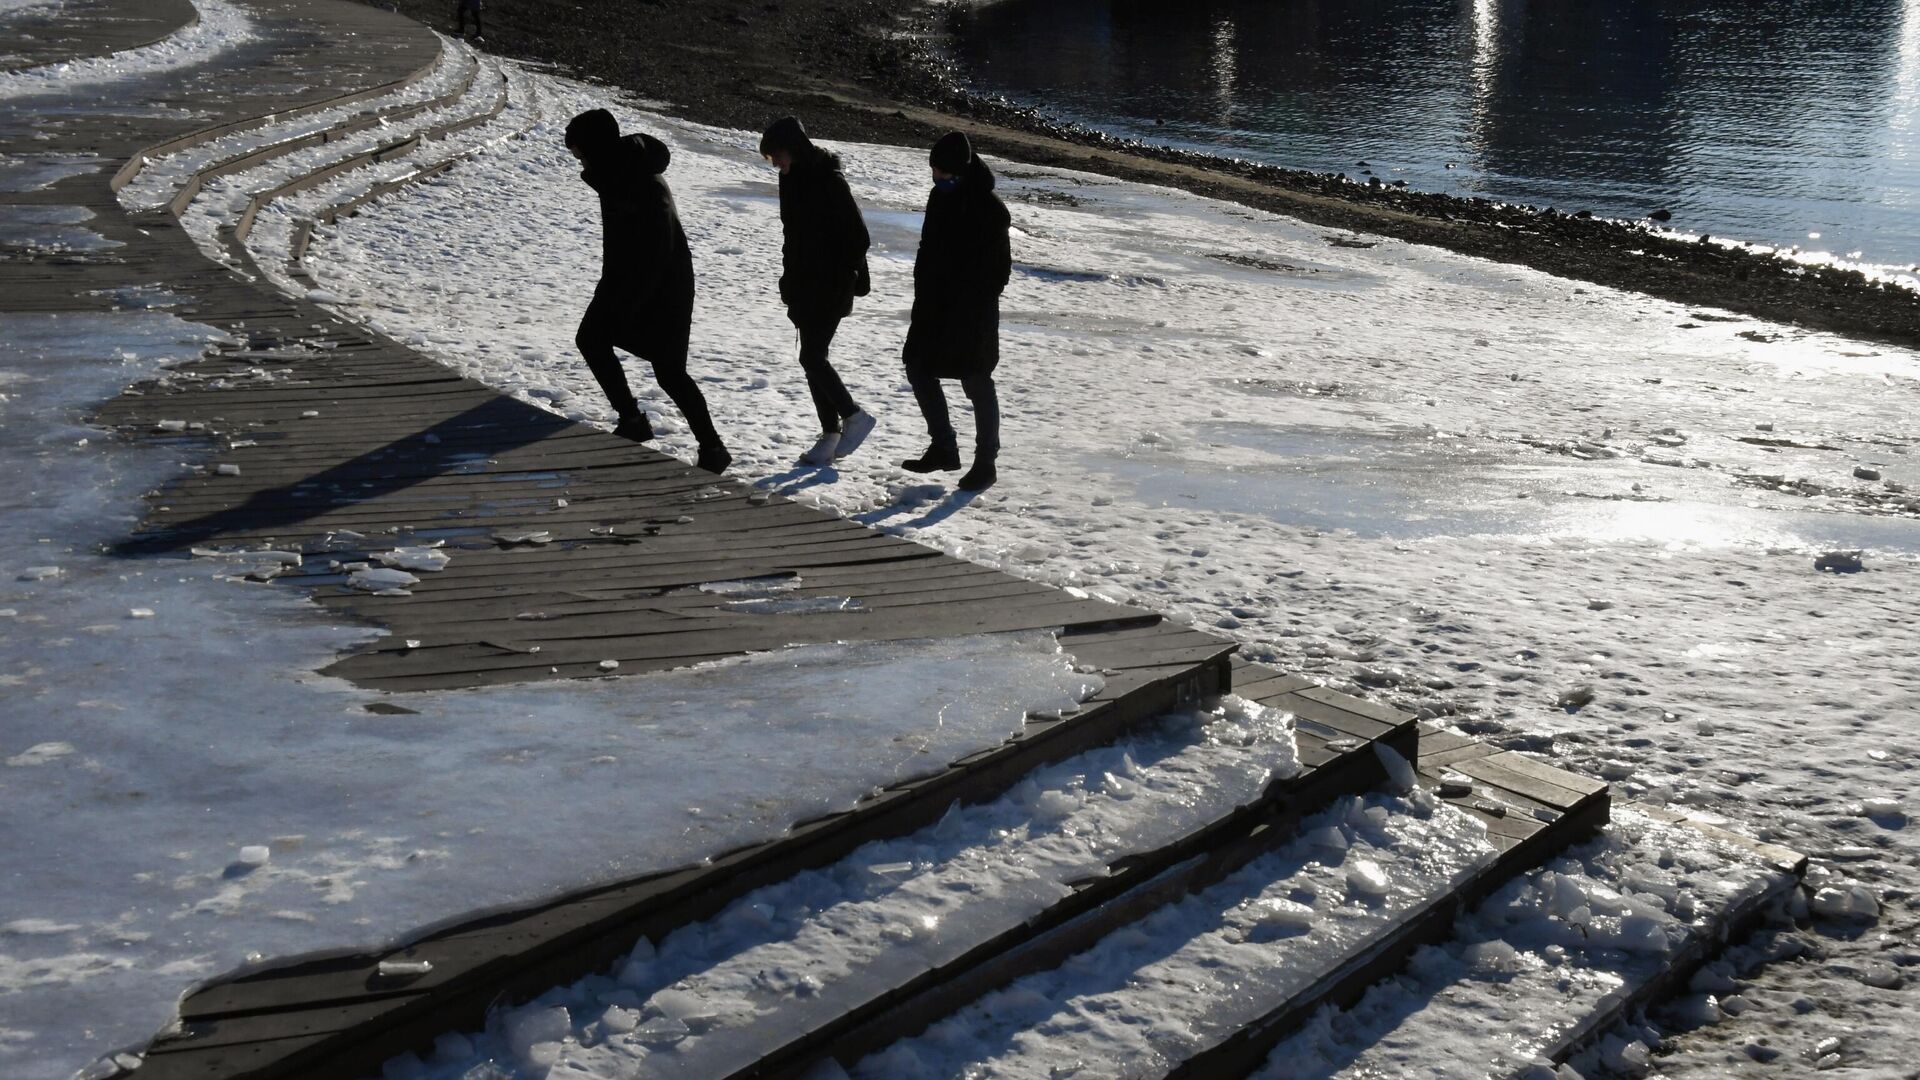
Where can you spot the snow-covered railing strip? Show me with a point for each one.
(1136, 885)
(303, 230)
(387, 152)
(255, 158)
(139, 161)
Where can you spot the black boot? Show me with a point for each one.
(713, 458)
(980, 477)
(636, 427)
(936, 459)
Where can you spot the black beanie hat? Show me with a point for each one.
(784, 134)
(952, 153)
(592, 128)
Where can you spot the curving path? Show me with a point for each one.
(47, 33)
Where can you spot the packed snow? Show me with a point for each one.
(1592, 525)
(1540, 954)
(215, 835)
(1202, 967)
(222, 26)
(714, 997)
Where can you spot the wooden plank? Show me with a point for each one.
(1546, 792)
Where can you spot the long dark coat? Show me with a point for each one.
(824, 258)
(963, 264)
(646, 267)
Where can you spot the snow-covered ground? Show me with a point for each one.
(222, 26)
(1462, 487)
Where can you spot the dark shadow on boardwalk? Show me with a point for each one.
(454, 444)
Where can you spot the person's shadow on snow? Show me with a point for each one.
(799, 478)
(881, 517)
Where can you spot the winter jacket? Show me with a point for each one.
(963, 264)
(644, 258)
(824, 258)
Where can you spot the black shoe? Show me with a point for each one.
(638, 428)
(936, 459)
(980, 477)
(713, 459)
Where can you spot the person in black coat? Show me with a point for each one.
(963, 264)
(823, 262)
(644, 301)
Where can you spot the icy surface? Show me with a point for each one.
(213, 830)
(1204, 966)
(222, 26)
(716, 996)
(1536, 956)
(50, 229)
(34, 172)
(1461, 487)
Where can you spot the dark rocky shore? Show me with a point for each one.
(866, 70)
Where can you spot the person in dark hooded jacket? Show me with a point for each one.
(823, 261)
(963, 264)
(644, 301)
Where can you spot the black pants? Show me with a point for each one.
(463, 8)
(830, 397)
(986, 411)
(607, 325)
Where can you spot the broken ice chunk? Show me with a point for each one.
(1279, 916)
(528, 1028)
(226, 470)
(140, 613)
(255, 855)
(1366, 881)
(1329, 837)
(381, 580)
(404, 969)
(40, 754)
(662, 1031)
(1880, 806)
(609, 665)
(170, 425)
(414, 558)
(40, 573)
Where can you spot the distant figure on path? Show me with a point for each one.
(823, 264)
(963, 264)
(644, 302)
(463, 8)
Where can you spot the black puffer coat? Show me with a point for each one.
(824, 259)
(963, 264)
(644, 257)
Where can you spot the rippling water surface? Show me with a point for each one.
(1788, 122)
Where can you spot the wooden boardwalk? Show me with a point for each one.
(574, 554)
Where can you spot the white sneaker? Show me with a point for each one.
(854, 431)
(823, 451)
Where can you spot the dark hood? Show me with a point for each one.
(978, 176)
(638, 153)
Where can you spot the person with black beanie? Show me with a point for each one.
(644, 301)
(823, 263)
(963, 264)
